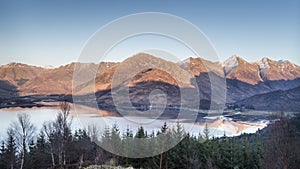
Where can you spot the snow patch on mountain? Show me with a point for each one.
(230, 64)
(48, 67)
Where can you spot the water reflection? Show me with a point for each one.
(83, 116)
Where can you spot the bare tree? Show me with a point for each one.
(58, 133)
(48, 130)
(24, 132)
(62, 131)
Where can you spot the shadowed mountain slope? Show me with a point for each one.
(280, 100)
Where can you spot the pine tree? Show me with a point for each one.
(212, 153)
(206, 132)
(176, 153)
(258, 154)
(81, 148)
(141, 133)
(236, 154)
(224, 160)
(246, 154)
(178, 132)
(140, 148)
(2, 150)
(115, 140)
(164, 128)
(127, 139)
(105, 142)
(163, 143)
(39, 156)
(10, 152)
(105, 138)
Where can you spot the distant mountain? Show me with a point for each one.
(135, 66)
(237, 68)
(279, 100)
(18, 74)
(141, 72)
(277, 70)
(56, 81)
(261, 71)
(238, 90)
(102, 81)
(246, 79)
(138, 68)
(198, 66)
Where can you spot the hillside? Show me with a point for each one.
(236, 68)
(198, 66)
(59, 80)
(277, 70)
(234, 78)
(18, 74)
(280, 100)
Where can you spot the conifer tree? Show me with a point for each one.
(10, 152)
(2, 150)
(163, 135)
(245, 154)
(115, 141)
(176, 153)
(206, 132)
(39, 153)
(127, 145)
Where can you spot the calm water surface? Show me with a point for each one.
(85, 116)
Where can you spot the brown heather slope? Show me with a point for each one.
(104, 76)
(237, 68)
(60, 80)
(261, 71)
(56, 81)
(278, 70)
(141, 62)
(101, 82)
(198, 66)
(17, 73)
(136, 69)
(153, 75)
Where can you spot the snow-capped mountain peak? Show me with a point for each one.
(231, 63)
(277, 70)
(264, 63)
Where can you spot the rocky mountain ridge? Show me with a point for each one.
(241, 79)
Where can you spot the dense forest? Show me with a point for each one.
(56, 146)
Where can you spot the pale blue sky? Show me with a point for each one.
(54, 32)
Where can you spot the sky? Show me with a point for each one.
(54, 32)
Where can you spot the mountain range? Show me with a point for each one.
(244, 82)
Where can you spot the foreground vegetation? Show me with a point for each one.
(56, 147)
